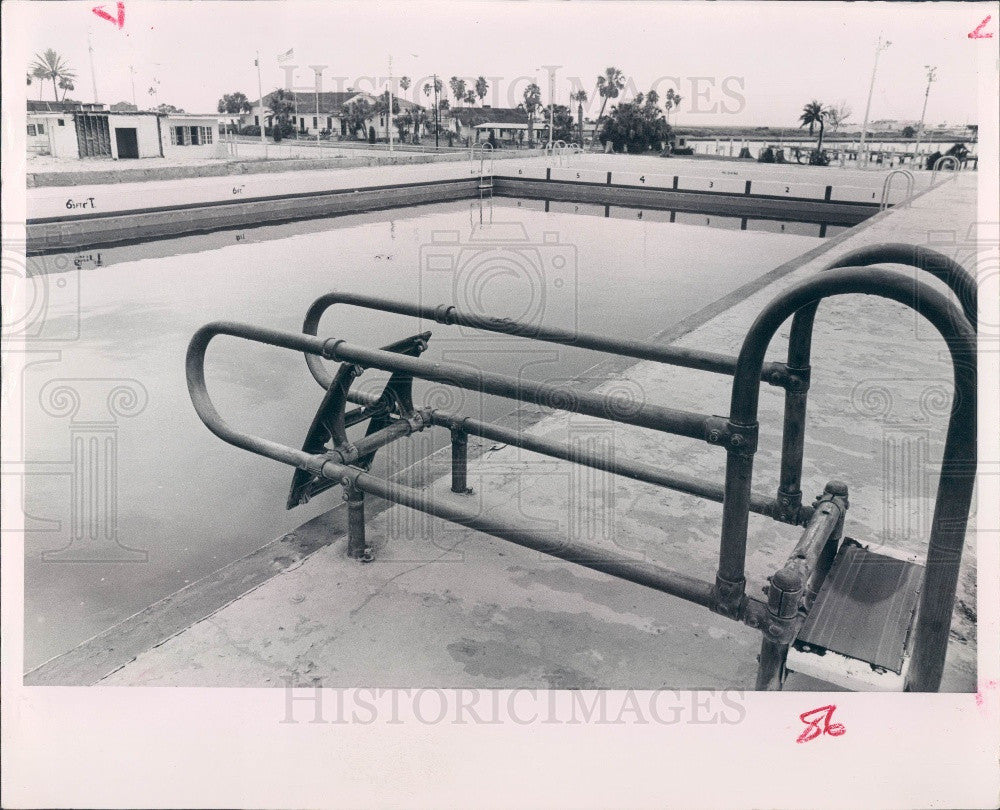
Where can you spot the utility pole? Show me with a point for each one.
(318, 70)
(260, 90)
(131, 70)
(880, 46)
(552, 93)
(920, 130)
(93, 75)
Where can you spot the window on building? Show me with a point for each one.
(61, 122)
(41, 129)
(32, 129)
(256, 120)
(329, 122)
(190, 136)
(315, 122)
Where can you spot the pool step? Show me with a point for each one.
(858, 632)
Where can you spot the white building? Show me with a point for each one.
(332, 116)
(73, 130)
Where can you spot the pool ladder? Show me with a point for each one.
(485, 185)
(887, 187)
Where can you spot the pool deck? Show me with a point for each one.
(449, 607)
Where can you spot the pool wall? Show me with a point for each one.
(109, 221)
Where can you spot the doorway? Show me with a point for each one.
(128, 142)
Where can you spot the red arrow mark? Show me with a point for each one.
(120, 19)
(978, 33)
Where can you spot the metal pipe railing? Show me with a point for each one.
(887, 186)
(452, 316)
(599, 559)
(957, 278)
(611, 407)
(957, 478)
(792, 586)
(627, 468)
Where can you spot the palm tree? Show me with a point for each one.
(38, 72)
(580, 97)
(50, 65)
(457, 86)
(66, 84)
(482, 88)
(609, 86)
(672, 100)
(470, 97)
(812, 114)
(532, 101)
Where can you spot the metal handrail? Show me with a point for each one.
(940, 164)
(958, 464)
(789, 591)
(887, 185)
(485, 149)
(773, 373)
(959, 281)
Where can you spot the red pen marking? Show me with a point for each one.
(120, 19)
(978, 33)
(813, 718)
(980, 694)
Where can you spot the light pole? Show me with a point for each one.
(318, 70)
(880, 46)
(131, 70)
(260, 90)
(388, 119)
(920, 129)
(552, 94)
(93, 75)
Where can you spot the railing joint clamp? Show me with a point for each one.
(795, 380)
(789, 507)
(330, 347)
(444, 313)
(729, 598)
(740, 439)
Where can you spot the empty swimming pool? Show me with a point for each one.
(130, 498)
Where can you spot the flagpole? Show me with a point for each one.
(319, 85)
(260, 90)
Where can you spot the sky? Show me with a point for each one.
(734, 63)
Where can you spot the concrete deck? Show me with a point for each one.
(447, 607)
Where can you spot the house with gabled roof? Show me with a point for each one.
(330, 116)
(502, 123)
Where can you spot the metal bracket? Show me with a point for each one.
(789, 507)
(729, 598)
(781, 375)
(741, 439)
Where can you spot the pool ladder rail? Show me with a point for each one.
(838, 609)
